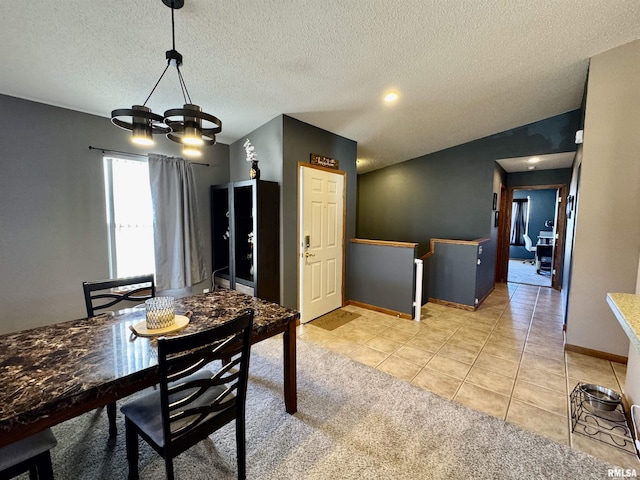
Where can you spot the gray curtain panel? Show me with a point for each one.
(178, 240)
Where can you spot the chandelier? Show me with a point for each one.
(188, 125)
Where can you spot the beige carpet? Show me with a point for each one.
(353, 423)
(526, 273)
(335, 319)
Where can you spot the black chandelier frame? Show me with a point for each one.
(188, 125)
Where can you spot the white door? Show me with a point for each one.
(321, 241)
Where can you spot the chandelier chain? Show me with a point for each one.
(183, 85)
(155, 86)
(173, 28)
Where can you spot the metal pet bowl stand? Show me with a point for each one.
(596, 414)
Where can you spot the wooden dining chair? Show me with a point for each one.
(105, 294)
(29, 455)
(192, 402)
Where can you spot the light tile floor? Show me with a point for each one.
(506, 359)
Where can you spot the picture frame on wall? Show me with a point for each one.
(570, 200)
(495, 201)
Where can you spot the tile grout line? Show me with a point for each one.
(480, 352)
(515, 380)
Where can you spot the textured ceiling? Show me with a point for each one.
(464, 69)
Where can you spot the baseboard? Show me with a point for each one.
(595, 353)
(379, 309)
(446, 303)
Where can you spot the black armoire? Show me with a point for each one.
(245, 234)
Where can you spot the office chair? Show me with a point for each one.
(528, 245)
(101, 295)
(191, 403)
(29, 455)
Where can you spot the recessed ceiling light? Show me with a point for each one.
(391, 97)
(531, 167)
(534, 160)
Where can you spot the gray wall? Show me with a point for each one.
(267, 141)
(280, 144)
(542, 207)
(448, 194)
(558, 176)
(607, 229)
(300, 140)
(52, 208)
(485, 272)
(455, 267)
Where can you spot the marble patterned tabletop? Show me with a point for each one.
(50, 370)
(626, 308)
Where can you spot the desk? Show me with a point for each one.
(544, 257)
(54, 373)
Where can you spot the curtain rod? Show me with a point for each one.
(106, 150)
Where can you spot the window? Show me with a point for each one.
(129, 217)
(519, 221)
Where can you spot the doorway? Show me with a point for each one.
(321, 240)
(532, 236)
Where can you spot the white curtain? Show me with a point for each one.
(178, 240)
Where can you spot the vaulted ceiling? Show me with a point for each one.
(463, 69)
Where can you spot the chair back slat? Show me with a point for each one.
(100, 294)
(214, 400)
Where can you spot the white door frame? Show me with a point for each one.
(299, 242)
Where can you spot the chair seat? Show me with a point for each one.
(144, 411)
(26, 449)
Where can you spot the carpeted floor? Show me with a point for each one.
(353, 422)
(526, 273)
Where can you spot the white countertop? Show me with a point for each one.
(626, 308)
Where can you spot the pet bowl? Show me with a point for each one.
(599, 397)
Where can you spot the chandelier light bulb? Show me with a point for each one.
(191, 151)
(192, 136)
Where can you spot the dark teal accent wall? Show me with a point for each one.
(542, 208)
(448, 194)
(559, 176)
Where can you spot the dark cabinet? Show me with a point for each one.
(245, 234)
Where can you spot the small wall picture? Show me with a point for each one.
(570, 200)
(496, 218)
(495, 201)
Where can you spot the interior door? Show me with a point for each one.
(321, 241)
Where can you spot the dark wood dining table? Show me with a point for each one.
(56, 372)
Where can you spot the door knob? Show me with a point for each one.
(307, 254)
